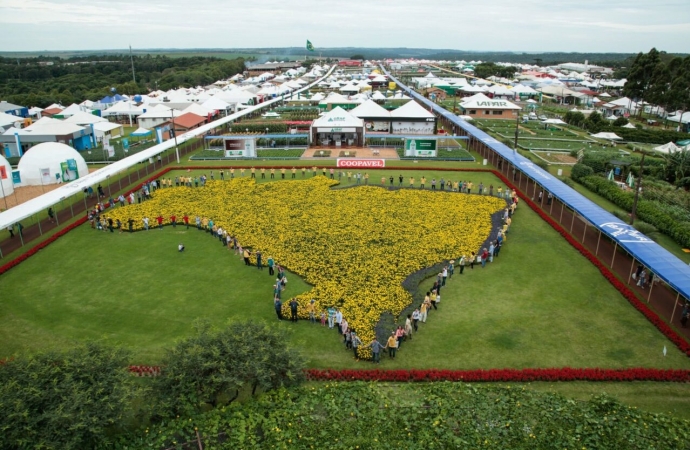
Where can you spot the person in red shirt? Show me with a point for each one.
(160, 222)
(173, 220)
(186, 218)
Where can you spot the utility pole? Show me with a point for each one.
(517, 126)
(638, 188)
(131, 59)
(177, 150)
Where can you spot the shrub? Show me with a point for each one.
(644, 227)
(621, 215)
(580, 171)
(567, 181)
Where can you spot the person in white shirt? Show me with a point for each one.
(338, 320)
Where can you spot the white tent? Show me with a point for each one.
(84, 118)
(39, 165)
(197, 109)
(216, 104)
(338, 117)
(113, 130)
(8, 120)
(141, 132)
(370, 109)
(123, 109)
(668, 148)
(7, 187)
(378, 96)
(608, 136)
(628, 125)
(412, 110)
(74, 109)
(554, 122)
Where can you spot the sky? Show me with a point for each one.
(488, 25)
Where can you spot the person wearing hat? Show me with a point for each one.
(312, 312)
(392, 345)
(451, 268)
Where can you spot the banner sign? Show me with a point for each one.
(3, 172)
(360, 163)
(240, 148)
(125, 144)
(425, 148)
(16, 177)
(336, 130)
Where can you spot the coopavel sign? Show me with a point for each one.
(360, 163)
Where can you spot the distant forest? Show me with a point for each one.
(40, 81)
(42, 78)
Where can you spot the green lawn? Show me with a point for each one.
(540, 304)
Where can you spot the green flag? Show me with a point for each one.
(310, 47)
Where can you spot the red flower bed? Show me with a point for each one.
(659, 323)
(501, 375)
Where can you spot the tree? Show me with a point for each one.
(575, 118)
(640, 76)
(486, 70)
(213, 366)
(621, 121)
(358, 57)
(64, 400)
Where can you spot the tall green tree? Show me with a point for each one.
(64, 400)
(640, 76)
(213, 366)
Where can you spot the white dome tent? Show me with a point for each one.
(5, 178)
(41, 163)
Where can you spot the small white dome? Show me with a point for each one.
(7, 185)
(42, 162)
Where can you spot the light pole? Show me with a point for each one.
(177, 150)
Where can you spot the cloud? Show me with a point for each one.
(528, 25)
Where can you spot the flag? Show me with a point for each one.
(310, 47)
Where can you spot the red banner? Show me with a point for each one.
(361, 163)
(3, 172)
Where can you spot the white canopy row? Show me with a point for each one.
(49, 199)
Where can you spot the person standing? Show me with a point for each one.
(400, 180)
(442, 183)
(356, 343)
(222, 175)
(485, 257)
(492, 249)
(473, 259)
(408, 326)
(392, 345)
(444, 276)
(376, 348)
(312, 311)
(173, 220)
(549, 198)
(415, 319)
(252, 170)
(159, 219)
(338, 320)
(433, 184)
(270, 264)
(331, 316)
(146, 223)
(185, 219)
(451, 268)
(246, 255)
(51, 215)
(642, 278)
(278, 305)
(258, 260)
(423, 312)
(293, 310)
(423, 182)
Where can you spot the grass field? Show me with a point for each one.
(540, 304)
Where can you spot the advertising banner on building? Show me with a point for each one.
(414, 127)
(240, 148)
(350, 163)
(422, 148)
(3, 172)
(376, 126)
(69, 170)
(16, 177)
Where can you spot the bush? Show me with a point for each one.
(644, 227)
(663, 217)
(621, 121)
(625, 217)
(567, 181)
(580, 171)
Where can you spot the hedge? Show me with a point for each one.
(650, 211)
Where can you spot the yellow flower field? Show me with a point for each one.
(355, 246)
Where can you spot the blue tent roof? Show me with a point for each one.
(659, 260)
